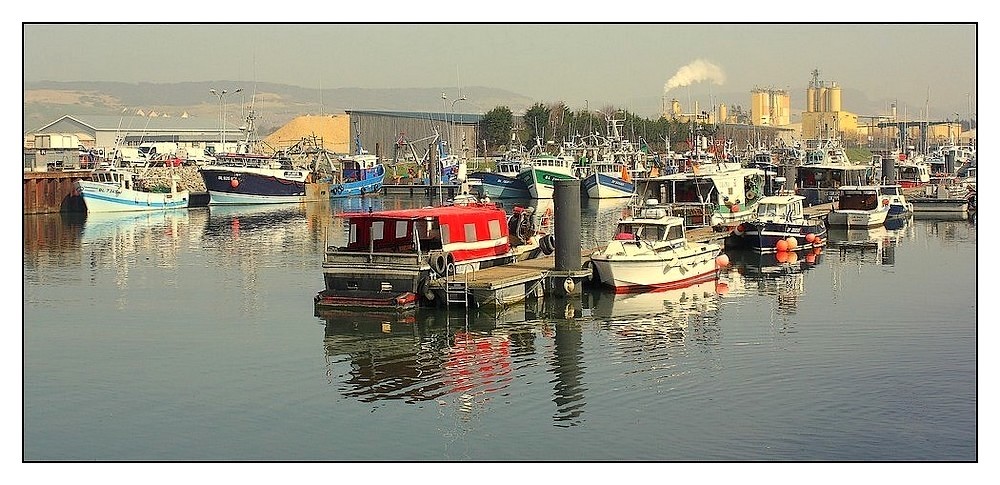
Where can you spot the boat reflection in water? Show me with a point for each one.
(874, 244)
(101, 226)
(453, 358)
(670, 319)
(780, 274)
(116, 237)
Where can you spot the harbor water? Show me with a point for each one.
(191, 336)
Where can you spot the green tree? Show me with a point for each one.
(494, 128)
(536, 125)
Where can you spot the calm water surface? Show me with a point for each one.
(191, 336)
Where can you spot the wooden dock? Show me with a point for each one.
(505, 285)
(501, 286)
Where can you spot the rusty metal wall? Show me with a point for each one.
(48, 192)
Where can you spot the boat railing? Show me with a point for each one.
(695, 214)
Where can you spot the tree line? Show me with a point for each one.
(556, 123)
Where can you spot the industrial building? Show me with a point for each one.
(61, 143)
(381, 132)
(770, 107)
(824, 116)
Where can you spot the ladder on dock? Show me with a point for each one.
(456, 289)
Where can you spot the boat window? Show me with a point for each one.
(445, 234)
(495, 229)
(400, 229)
(425, 230)
(470, 231)
(767, 209)
(353, 237)
(675, 232)
(378, 230)
(625, 232)
(858, 201)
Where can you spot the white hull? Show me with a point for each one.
(102, 197)
(664, 270)
(227, 198)
(856, 218)
(600, 191)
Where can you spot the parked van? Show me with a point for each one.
(151, 150)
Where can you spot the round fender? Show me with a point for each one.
(438, 263)
(547, 244)
(588, 266)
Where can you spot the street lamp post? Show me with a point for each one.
(451, 125)
(222, 113)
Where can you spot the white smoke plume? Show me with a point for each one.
(697, 71)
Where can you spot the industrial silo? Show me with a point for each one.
(834, 98)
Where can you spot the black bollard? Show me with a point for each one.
(566, 206)
(949, 162)
(889, 170)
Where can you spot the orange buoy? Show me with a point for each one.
(721, 261)
(234, 183)
(721, 288)
(811, 258)
(810, 238)
(817, 250)
(781, 245)
(793, 257)
(782, 256)
(792, 243)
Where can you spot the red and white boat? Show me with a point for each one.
(392, 255)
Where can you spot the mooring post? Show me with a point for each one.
(568, 275)
(889, 170)
(566, 206)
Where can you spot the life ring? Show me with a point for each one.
(885, 201)
(751, 195)
(450, 266)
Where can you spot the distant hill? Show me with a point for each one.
(275, 104)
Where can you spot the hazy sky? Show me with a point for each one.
(578, 63)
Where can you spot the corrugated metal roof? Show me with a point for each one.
(460, 118)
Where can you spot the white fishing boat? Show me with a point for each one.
(859, 206)
(650, 251)
(114, 189)
(719, 194)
